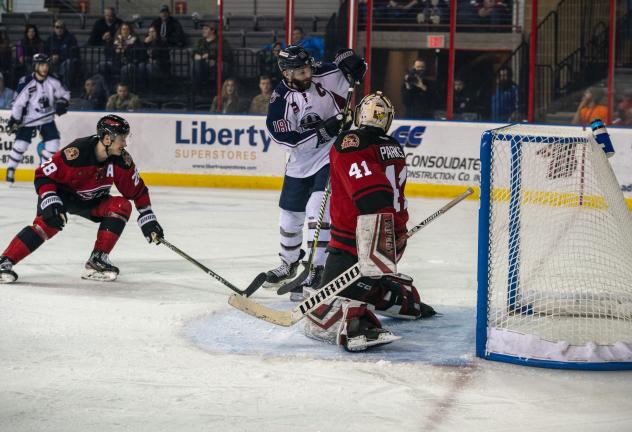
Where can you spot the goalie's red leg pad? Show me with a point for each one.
(28, 240)
(115, 212)
(396, 296)
(341, 320)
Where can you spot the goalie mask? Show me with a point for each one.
(375, 110)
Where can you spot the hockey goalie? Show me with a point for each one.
(368, 177)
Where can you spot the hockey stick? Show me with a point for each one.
(290, 317)
(309, 265)
(21, 125)
(246, 293)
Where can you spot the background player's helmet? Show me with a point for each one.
(294, 57)
(375, 110)
(112, 125)
(40, 58)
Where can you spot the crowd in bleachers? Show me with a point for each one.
(152, 62)
(168, 62)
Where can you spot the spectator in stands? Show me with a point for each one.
(30, 45)
(592, 106)
(6, 53)
(463, 100)
(269, 62)
(6, 94)
(492, 13)
(396, 11)
(123, 100)
(419, 93)
(158, 62)
(169, 28)
(259, 103)
(433, 12)
(61, 47)
(506, 97)
(624, 105)
(94, 95)
(123, 56)
(231, 102)
(313, 45)
(105, 28)
(205, 56)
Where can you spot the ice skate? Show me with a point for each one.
(283, 273)
(362, 335)
(10, 178)
(99, 268)
(311, 284)
(7, 275)
(374, 337)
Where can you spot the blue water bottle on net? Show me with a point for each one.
(602, 137)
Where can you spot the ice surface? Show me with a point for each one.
(160, 349)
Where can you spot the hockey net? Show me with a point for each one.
(555, 239)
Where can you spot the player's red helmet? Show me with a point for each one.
(112, 125)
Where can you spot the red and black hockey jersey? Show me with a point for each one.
(368, 175)
(75, 171)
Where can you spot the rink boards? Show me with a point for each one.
(232, 151)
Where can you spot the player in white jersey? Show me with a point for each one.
(304, 117)
(39, 97)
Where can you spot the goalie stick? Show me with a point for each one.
(309, 265)
(290, 317)
(254, 286)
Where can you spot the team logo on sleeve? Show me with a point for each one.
(71, 153)
(127, 158)
(349, 141)
(309, 121)
(274, 96)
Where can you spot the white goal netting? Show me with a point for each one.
(559, 256)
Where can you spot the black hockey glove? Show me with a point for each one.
(149, 225)
(350, 64)
(12, 126)
(61, 107)
(328, 129)
(53, 210)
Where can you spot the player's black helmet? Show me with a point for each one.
(294, 57)
(40, 58)
(112, 125)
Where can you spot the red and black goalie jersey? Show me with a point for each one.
(75, 172)
(368, 175)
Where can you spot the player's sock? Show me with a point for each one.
(283, 273)
(7, 275)
(100, 268)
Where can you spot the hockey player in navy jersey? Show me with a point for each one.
(304, 117)
(37, 95)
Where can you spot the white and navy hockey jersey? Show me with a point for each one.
(292, 116)
(36, 98)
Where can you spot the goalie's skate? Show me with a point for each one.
(283, 273)
(99, 268)
(7, 275)
(371, 338)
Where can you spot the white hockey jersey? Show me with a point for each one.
(292, 116)
(36, 98)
